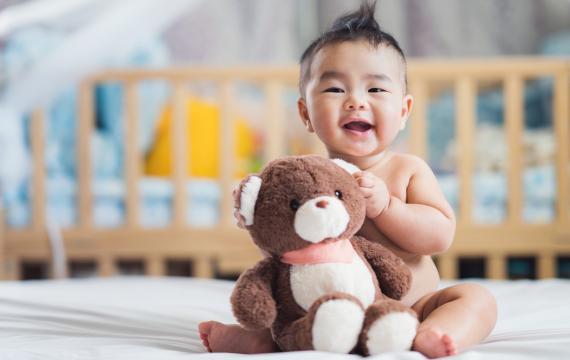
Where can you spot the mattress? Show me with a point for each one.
(156, 318)
(489, 189)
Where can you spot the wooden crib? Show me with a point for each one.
(225, 249)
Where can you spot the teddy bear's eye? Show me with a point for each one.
(338, 194)
(294, 204)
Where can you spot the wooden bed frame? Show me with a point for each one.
(227, 249)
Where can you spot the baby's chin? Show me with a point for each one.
(357, 152)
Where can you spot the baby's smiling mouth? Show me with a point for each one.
(359, 126)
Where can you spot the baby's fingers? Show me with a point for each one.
(364, 181)
(367, 192)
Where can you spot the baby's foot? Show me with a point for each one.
(218, 337)
(434, 344)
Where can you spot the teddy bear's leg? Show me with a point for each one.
(333, 323)
(388, 326)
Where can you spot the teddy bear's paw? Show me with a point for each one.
(394, 331)
(337, 325)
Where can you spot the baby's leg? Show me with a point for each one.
(218, 337)
(453, 319)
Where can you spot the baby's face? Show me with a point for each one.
(355, 99)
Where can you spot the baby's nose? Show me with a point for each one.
(322, 204)
(354, 105)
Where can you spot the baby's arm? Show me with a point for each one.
(252, 299)
(424, 223)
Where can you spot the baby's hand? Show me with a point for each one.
(375, 192)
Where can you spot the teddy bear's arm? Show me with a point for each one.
(252, 298)
(393, 274)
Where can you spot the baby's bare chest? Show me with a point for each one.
(396, 181)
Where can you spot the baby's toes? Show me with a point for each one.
(450, 347)
(204, 329)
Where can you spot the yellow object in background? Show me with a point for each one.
(203, 142)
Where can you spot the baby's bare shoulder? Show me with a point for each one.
(409, 164)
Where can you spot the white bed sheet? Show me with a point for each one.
(151, 318)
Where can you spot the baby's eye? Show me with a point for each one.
(376, 90)
(334, 90)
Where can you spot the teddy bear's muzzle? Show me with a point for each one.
(321, 218)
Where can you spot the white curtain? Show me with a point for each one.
(110, 33)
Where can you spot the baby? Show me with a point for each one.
(353, 96)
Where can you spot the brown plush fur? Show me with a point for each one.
(254, 302)
(263, 297)
(393, 274)
(301, 178)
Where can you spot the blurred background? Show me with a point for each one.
(48, 46)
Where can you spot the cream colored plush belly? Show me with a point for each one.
(309, 282)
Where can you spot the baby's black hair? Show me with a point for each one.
(354, 26)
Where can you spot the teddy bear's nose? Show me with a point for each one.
(322, 204)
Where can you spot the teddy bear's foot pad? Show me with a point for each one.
(392, 332)
(337, 325)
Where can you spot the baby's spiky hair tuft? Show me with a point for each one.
(358, 21)
(354, 26)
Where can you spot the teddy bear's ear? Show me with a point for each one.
(350, 168)
(245, 197)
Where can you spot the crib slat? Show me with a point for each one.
(514, 120)
(447, 266)
(105, 266)
(275, 122)
(202, 268)
(227, 161)
(132, 160)
(497, 267)
(546, 265)
(38, 179)
(84, 172)
(561, 108)
(465, 92)
(13, 268)
(418, 125)
(155, 266)
(180, 154)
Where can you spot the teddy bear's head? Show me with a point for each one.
(298, 201)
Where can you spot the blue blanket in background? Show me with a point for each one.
(27, 46)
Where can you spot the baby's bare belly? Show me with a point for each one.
(425, 277)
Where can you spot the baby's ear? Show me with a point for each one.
(304, 114)
(245, 197)
(350, 168)
(407, 106)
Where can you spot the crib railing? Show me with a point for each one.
(229, 249)
(513, 237)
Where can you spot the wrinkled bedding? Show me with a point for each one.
(150, 318)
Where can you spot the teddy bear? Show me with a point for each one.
(319, 286)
